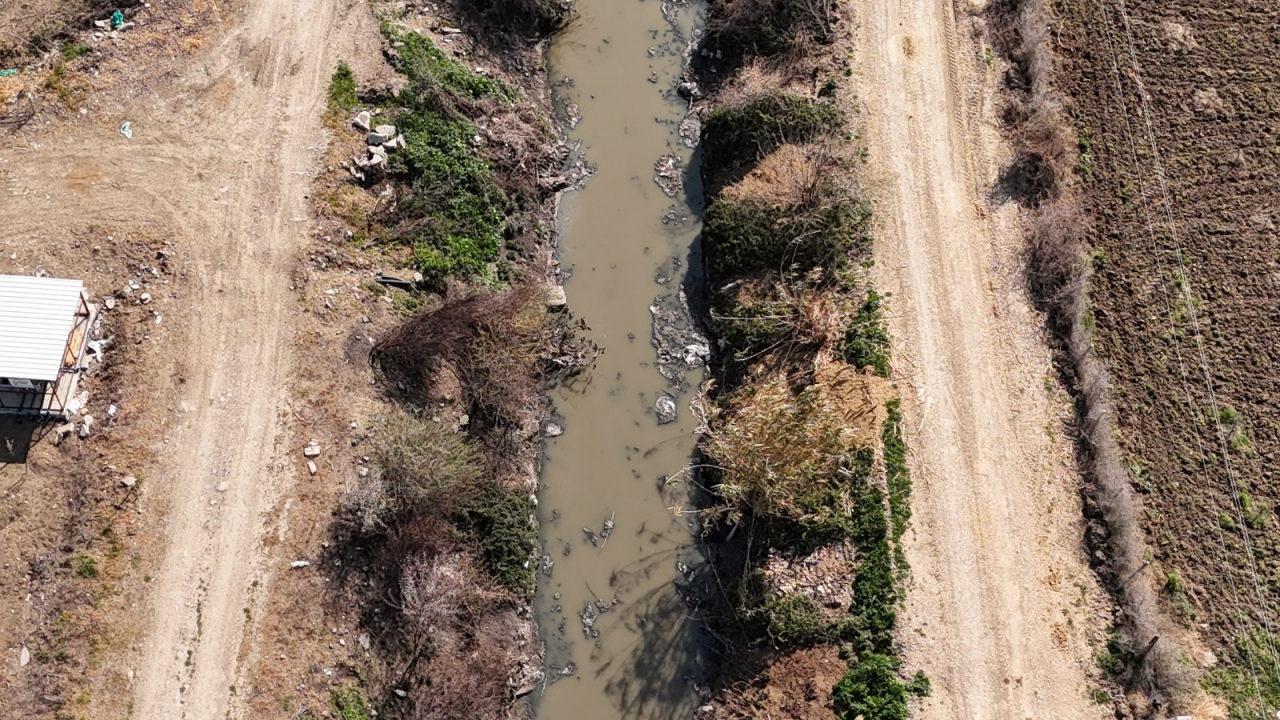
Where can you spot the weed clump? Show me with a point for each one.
(342, 89)
(738, 135)
(423, 462)
(866, 341)
(498, 521)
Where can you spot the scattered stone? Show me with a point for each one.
(388, 131)
(668, 173)
(311, 450)
(109, 303)
(24, 656)
(362, 121)
(400, 693)
(63, 431)
(556, 298)
(222, 486)
(145, 298)
(665, 407)
(86, 426)
(311, 467)
(689, 91)
(375, 139)
(128, 481)
(297, 564)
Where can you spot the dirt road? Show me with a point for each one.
(224, 154)
(1001, 604)
(258, 121)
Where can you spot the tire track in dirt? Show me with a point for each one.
(1002, 606)
(226, 468)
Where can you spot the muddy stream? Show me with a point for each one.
(617, 530)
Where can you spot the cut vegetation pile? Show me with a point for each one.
(803, 439)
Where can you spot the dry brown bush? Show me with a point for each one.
(794, 175)
(775, 447)
(460, 622)
(496, 342)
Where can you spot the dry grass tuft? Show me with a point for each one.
(777, 449)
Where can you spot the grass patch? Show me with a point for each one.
(74, 50)
(1234, 682)
(743, 235)
(342, 89)
(866, 341)
(496, 519)
(85, 566)
(735, 136)
(349, 703)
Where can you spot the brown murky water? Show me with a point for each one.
(611, 610)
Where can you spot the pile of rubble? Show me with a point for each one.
(380, 140)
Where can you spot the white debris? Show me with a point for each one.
(554, 430)
(311, 467)
(24, 656)
(311, 450)
(296, 564)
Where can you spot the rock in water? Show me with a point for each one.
(665, 407)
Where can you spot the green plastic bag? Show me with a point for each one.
(8, 72)
(117, 19)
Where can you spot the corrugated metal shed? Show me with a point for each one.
(36, 316)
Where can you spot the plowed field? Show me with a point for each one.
(1177, 107)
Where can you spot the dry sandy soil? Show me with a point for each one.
(226, 137)
(1002, 608)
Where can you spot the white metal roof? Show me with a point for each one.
(36, 316)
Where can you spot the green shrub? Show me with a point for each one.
(350, 703)
(745, 235)
(871, 690)
(85, 566)
(342, 89)
(429, 68)
(866, 341)
(897, 479)
(454, 215)
(496, 519)
(734, 136)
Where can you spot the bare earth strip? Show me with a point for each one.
(223, 154)
(1001, 607)
(262, 145)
